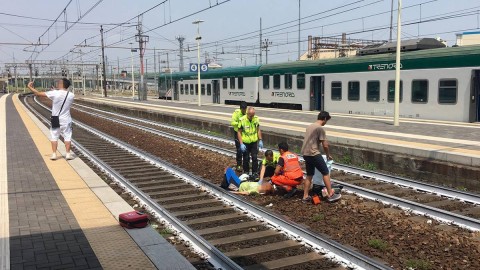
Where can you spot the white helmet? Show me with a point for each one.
(244, 177)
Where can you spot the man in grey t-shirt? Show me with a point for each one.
(314, 137)
(59, 96)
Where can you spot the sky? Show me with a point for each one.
(230, 31)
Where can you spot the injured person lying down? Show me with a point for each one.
(234, 183)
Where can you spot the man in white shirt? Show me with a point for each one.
(58, 97)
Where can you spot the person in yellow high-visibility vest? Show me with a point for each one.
(250, 139)
(237, 114)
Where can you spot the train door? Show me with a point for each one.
(216, 91)
(474, 97)
(175, 90)
(317, 84)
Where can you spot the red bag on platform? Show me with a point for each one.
(133, 219)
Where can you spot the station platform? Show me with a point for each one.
(452, 142)
(60, 214)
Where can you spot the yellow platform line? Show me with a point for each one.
(112, 245)
(4, 213)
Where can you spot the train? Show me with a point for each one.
(436, 84)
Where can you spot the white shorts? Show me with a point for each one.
(64, 130)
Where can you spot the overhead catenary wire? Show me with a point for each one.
(168, 23)
(67, 27)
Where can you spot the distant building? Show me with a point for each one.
(331, 47)
(468, 38)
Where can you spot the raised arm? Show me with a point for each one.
(35, 91)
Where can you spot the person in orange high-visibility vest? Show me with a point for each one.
(288, 173)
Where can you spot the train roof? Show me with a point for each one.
(424, 59)
(451, 57)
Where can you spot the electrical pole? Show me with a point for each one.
(265, 45)
(104, 73)
(261, 41)
(198, 38)
(298, 30)
(159, 72)
(96, 81)
(180, 43)
(155, 68)
(132, 50)
(391, 22)
(142, 40)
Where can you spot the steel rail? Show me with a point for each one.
(216, 257)
(164, 134)
(198, 134)
(417, 185)
(436, 213)
(348, 257)
(400, 181)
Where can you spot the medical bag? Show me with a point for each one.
(134, 219)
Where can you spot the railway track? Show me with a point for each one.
(232, 233)
(441, 203)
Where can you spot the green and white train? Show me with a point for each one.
(438, 84)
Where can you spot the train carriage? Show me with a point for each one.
(439, 84)
(225, 86)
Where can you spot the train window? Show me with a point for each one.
(353, 91)
(240, 82)
(203, 89)
(300, 80)
(420, 91)
(232, 82)
(391, 91)
(224, 83)
(196, 89)
(288, 80)
(209, 89)
(266, 81)
(186, 89)
(192, 89)
(181, 89)
(336, 90)
(373, 91)
(447, 91)
(276, 81)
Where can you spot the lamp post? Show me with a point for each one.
(132, 50)
(396, 106)
(198, 38)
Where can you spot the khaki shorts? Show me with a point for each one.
(64, 130)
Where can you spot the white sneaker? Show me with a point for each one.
(53, 156)
(232, 187)
(69, 156)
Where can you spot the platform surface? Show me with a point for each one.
(455, 142)
(60, 214)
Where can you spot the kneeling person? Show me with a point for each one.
(288, 173)
(269, 163)
(245, 188)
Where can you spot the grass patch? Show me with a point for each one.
(369, 166)
(461, 188)
(212, 133)
(378, 244)
(165, 231)
(346, 159)
(318, 217)
(418, 264)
